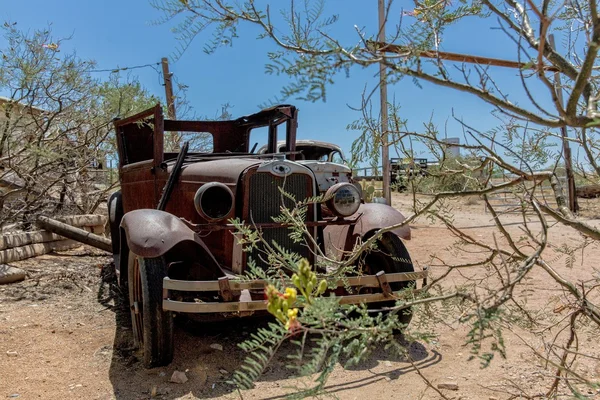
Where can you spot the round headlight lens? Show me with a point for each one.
(213, 201)
(343, 199)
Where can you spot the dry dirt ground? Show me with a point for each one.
(72, 337)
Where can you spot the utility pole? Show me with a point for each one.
(168, 89)
(385, 151)
(565, 143)
(171, 114)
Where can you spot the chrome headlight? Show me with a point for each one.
(343, 199)
(213, 201)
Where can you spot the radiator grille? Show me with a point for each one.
(265, 201)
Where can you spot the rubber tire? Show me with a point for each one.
(115, 215)
(156, 330)
(390, 256)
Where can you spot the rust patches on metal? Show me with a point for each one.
(225, 289)
(384, 284)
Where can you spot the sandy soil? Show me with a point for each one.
(72, 336)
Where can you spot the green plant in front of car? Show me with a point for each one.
(323, 331)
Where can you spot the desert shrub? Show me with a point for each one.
(452, 175)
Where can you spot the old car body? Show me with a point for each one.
(175, 245)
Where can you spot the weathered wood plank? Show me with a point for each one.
(74, 233)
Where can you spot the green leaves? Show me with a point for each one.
(261, 348)
(485, 329)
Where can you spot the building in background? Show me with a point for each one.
(452, 148)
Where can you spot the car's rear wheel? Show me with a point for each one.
(390, 256)
(152, 327)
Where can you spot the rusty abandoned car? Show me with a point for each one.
(173, 236)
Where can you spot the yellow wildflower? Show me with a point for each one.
(290, 295)
(292, 322)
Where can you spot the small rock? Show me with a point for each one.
(493, 398)
(162, 373)
(199, 376)
(448, 386)
(12, 353)
(216, 346)
(387, 363)
(224, 371)
(179, 377)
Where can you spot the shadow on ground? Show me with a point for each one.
(209, 368)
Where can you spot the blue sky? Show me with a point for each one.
(122, 33)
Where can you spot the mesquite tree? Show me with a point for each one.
(557, 88)
(56, 127)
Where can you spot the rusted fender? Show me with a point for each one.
(339, 239)
(376, 216)
(152, 233)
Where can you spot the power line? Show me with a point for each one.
(118, 69)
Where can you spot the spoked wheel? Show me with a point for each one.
(390, 256)
(136, 301)
(152, 327)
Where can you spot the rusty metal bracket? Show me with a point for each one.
(384, 284)
(225, 289)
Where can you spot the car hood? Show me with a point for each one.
(225, 170)
(323, 166)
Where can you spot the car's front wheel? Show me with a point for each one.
(152, 326)
(390, 256)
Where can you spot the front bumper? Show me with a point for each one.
(230, 289)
